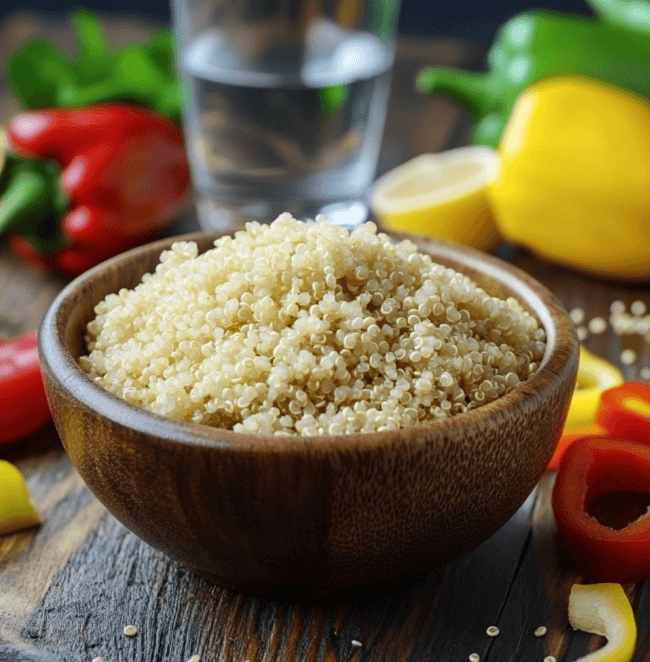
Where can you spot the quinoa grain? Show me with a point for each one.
(628, 356)
(300, 328)
(597, 325)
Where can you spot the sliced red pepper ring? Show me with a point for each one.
(568, 437)
(624, 411)
(593, 467)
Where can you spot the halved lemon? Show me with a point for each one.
(604, 609)
(441, 195)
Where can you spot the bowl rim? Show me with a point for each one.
(561, 344)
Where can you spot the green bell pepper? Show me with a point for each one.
(614, 48)
(40, 76)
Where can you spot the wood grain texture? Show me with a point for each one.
(69, 587)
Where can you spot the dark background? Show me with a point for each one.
(472, 20)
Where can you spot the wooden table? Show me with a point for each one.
(68, 588)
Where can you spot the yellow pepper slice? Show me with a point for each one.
(16, 510)
(604, 609)
(595, 375)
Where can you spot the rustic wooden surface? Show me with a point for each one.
(68, 588)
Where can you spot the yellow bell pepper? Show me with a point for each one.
(604, 609)
(573, 184)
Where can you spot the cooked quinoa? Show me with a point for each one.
(298, 328)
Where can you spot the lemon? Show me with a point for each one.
(441, 195)
(16, 510)
(604, 609)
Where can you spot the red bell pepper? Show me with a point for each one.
(123, 173)
(593, 467)
(624, 412)
(23, 404)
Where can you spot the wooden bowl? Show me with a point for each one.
(258, 513)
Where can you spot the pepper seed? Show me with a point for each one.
(474, 657)
(645, 374)
(582, 333)
(541, 631)
(130, 630)
(492, 631)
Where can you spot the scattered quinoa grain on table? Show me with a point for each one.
(628, 356)
(597, 325)
(540, 631)
(130, 630)
(297, 328)
(492, 631)
(577, 315)
(638, 308)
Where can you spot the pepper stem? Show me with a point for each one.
(474, 91)
(633, 15)
(94, 56)
(23, 200)
(31, 204)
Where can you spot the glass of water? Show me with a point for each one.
(284, 105)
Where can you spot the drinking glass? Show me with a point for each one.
(284, 105)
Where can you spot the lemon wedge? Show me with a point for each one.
(441, 195)
(604, 609)
(16, 510)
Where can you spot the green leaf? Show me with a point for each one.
(35, 72)
(160, 48)
(95, 58)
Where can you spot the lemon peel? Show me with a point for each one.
(441, 195)
(605, 610)
(16, 509)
